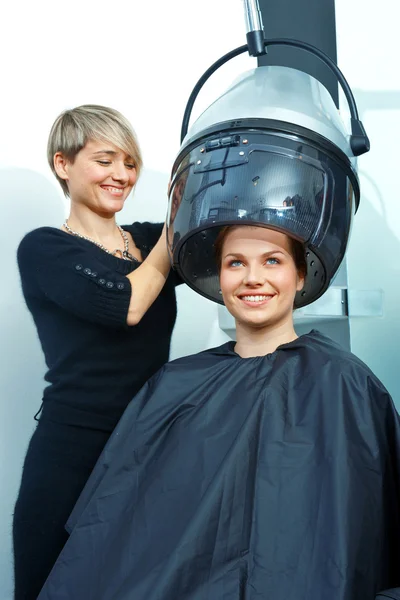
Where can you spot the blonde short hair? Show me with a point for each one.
(75, 127)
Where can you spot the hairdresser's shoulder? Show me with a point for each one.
(42, 240)
(43, 234)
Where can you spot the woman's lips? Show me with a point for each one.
(255, 300)
(114, 191)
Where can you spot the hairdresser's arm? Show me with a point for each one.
(148, 280)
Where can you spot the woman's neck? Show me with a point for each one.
(95, 226)
(251, 341)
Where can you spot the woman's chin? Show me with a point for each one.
(253, 315)
(115, 205)
(253, 321)
(110, 209)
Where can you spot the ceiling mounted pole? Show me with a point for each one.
(310, 21)
(254, 28)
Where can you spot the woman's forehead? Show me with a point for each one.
(248, 236)
(100, 146)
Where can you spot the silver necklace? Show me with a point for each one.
(125, 254)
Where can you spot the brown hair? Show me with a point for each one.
(297, 250)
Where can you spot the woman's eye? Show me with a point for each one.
(104, 162)
(129, 166)
(235, 263)
(272, 261)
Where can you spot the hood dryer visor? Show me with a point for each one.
(266, 172)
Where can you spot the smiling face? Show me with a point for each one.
(101, 177)
(259, 278)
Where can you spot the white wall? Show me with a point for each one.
(56, 56)
(368, 54)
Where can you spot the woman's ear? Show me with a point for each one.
(300, 282)
(61, 165)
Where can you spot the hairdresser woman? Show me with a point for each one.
(103, 301)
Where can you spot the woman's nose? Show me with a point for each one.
(120, 172)
(254, 276)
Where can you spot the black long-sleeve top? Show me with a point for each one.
(79, 297)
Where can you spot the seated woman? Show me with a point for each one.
(263, 469)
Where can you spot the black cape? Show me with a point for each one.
(229, 478)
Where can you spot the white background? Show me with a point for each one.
(60, 55)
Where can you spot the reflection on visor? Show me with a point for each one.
(287, 192)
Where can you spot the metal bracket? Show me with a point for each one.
(333, 304)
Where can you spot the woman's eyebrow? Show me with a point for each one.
(111, 152)
(239, 255)
(274, 252)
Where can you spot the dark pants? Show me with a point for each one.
(58, 463)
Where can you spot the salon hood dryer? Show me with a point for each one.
(271, 151)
